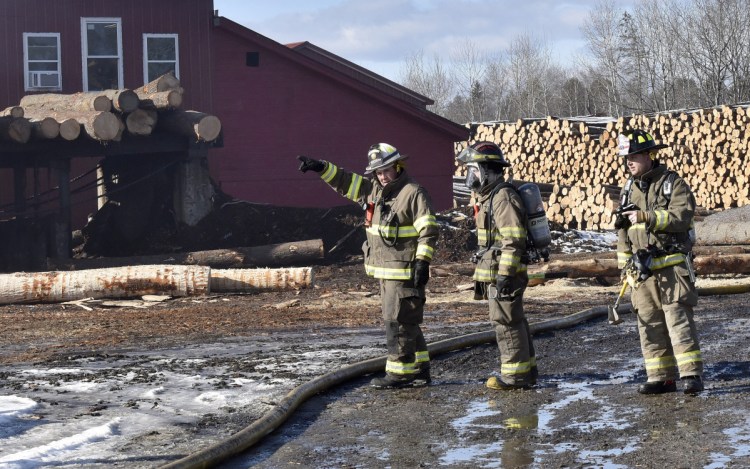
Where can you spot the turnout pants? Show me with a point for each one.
(403, 309)
(517, 356)
(669, 340)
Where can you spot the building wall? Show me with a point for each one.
(190, 19)
(280, 109)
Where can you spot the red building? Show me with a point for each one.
(274, 101)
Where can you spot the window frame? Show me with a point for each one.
(27, 85)
(85, 53)
(146, 61)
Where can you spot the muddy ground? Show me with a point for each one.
(585, 412)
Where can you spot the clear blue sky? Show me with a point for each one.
(379, 34)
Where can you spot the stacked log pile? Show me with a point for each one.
(578, 157)
(106, 115)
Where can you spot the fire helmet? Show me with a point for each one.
(483, 152)
(382, 155)
(636, 141)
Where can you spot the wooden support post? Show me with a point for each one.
(19, 187)
(193, 190)
(62, 231)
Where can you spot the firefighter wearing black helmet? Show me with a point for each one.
(500, 275)
(401, 235)
(655, 238)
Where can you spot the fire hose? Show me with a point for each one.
(268, 422)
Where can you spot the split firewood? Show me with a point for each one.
(86, 101)
(15, 129)
(193, 124)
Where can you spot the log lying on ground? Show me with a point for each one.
(126, 282)
(15, 129)
(729, 233)
(256, 280)
(194, 124)
(89, 101)
(12, 111)
(276, 255)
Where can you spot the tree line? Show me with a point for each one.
(663, 55)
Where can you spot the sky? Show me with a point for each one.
(380, 35)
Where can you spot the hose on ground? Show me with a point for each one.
(268, 422)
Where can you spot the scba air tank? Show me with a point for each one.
(537, 226)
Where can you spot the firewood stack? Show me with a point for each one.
(578, 156)
(105, 115)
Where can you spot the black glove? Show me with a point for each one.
(309, 164)
(421, 272)
(502, 283)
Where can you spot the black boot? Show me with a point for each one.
(691, 384)
(424, 374)
(393, 381)
(657, 387)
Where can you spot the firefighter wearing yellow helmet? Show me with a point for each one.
(655, 238)
(401, 236)
(500, 275)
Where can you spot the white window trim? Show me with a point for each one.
(85, 47)
(26, 85)
(146, 36)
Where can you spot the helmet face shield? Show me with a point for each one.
(474, 175)
(471, 155)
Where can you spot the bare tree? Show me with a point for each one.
(430, 79)
(528, 65)
(470, 68)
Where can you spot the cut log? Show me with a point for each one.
(141, 122)
(89, 101)
(70, 129)
(15, 129)
(165, 82)
(98, 125)
(127, 282)
(170, 99)
(46, 128)
(273, 255)
(256, 280)
(122, 100)
(193, 124)
(711, 233)
(12, 111)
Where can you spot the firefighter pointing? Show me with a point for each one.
(655, 238)
(500, 275)
(401, 236)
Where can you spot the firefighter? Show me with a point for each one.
(500, 275)
(655, 238)
(401, 235)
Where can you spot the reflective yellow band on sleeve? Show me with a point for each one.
(353, 192)
(330, 172)
(668, 261)
(485, 275)
(509, 260)
(425, 251)
(623, 258)
(662, 217)
(424, 221)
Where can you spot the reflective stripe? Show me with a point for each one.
(623, 258)
(637, 227)
(388, 273)
(489, 275)
(517, 232)
(668, 261)
(660, 362)
(424, 221)
(509, 260)
(689, 357)
(662, 217)
(513, 232)
(425, 251)
(330, 172)
(390, 231)
(423, 357)
(399, 368)
(353, 192)
(518, 368)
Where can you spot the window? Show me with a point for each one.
(41, 64)
(161, 54)
(101, 41)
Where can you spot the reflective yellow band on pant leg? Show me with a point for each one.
(518, 368)
(398, 368)
(659, 363)
(689, 357)
(423, 357)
